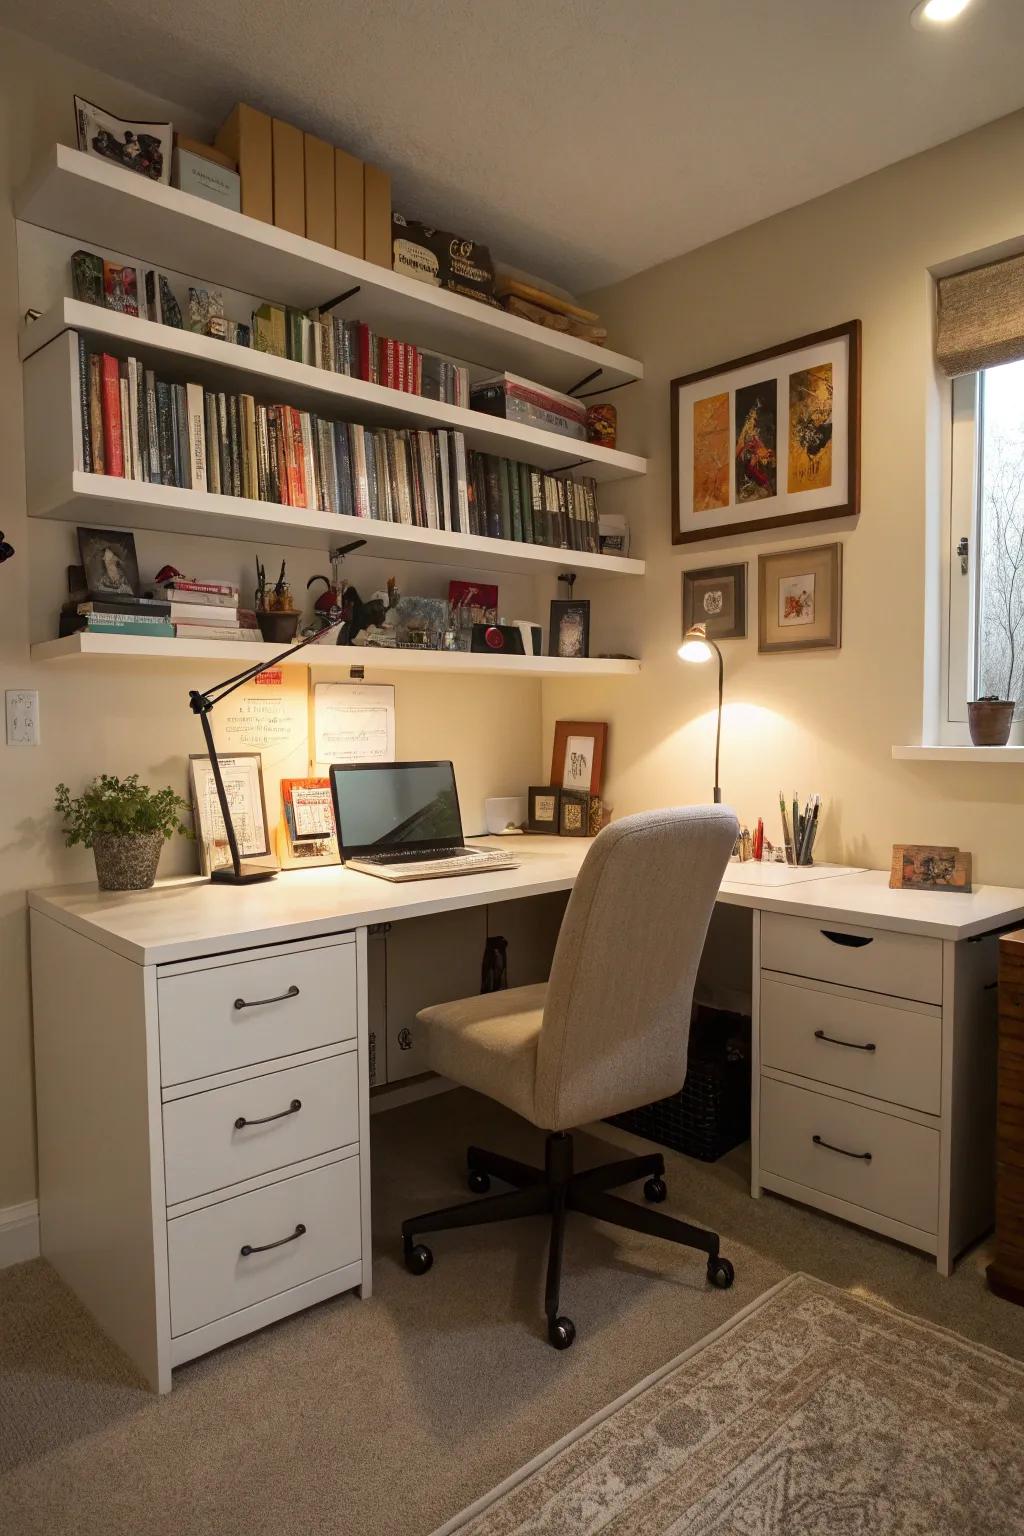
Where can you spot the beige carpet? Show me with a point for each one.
(391, 1415)
(813, 1412)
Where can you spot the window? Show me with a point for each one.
(986, 566)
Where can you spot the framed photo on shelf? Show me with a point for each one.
(919, 867)
(800, 599)
(109, 561)
(243, 785)
(577, 755)
(768, 440)
(717, 598)
(543, 808)
(574, 813)
(569, 633)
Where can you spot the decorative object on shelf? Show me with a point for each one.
(6, 549)
(613, 534)
(242, 777)
(542, 815)
(475, 602)
(110, 562)
(505, 814)
(602, 425)
(124, 824)
(569, 632)
(800, 599)
(921, 867)
(533, 300)
(438, 257)
(600, 815)
(769, 439)
(574, 813)
(990, 720)
(277, 618)
(306, 837)
(698, 646)
(577, 754)
(717, 598)
(327, 608)
(137, 146)
(206, 172)
(369, 618)
(497, 639)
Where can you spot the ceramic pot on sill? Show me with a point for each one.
(989, 721)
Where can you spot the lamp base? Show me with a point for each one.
(248, 874)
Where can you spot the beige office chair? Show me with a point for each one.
(607, 1033)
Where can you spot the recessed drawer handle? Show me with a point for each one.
(293, 1109)
(261, 1002)
(850, 940)
(851, 1045)
(248, 1248)
(865, 1157)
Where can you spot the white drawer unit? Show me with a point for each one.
(227, 1135)
(886, 1048)
(900, 964)
(215, 1016)
(235, 1253)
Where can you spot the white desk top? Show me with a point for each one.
(183, 918)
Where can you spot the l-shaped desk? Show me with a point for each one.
(202, 1076)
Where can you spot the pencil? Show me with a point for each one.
(786, 838)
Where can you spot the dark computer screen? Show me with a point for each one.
(395, 805)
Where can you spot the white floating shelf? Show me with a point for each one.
(97, 203)
(973, 755)
(235, 655)
(221, 364)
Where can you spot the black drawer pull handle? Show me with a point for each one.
(865, 1157)
(850, 940)
(261, 1002)
(293, 1109)
(248, 1248)
(851, 1045)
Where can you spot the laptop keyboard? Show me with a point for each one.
(448, 861)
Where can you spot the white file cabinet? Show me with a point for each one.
(203, 1135)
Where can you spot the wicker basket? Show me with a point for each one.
(711, 1112)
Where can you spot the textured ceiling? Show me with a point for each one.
(582, 139)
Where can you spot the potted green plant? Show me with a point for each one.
(124, 824)
(989, 720)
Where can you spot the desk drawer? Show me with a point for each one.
(901, 964)
(293, 1000)
(901, 1179)
(204, 1149)
(824, 1035)
(210, 1276)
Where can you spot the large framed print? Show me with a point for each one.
(768, 440)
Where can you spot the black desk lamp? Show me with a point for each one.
(697, 646)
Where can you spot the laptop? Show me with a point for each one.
(401, 821)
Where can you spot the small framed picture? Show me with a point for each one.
(800, 599)
(570, 628)
(577, 755)
(305, 833)
(717, 598)
(136, 146)
(243, 785)
(109, 561)
(920, 867)
(543, 808)
(574, 813)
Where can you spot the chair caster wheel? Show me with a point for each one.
(655, 1190)
(720, 1273)
(561, 1332)
(418, 1259)
(478, 1182)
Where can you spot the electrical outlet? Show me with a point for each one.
(22, 717)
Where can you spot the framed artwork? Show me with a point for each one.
(543, 812)
(574, 813)
(919, 867)
(243, 785)
(769, 439)
(800, 599)
(577, 756)
(717, 598)
(305, 833)
(570, 628)
(109, 561)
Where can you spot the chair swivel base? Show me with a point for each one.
(554, 1191)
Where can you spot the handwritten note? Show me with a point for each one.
(353, 723)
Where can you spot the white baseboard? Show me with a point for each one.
(392, 1095)
(19, 1233)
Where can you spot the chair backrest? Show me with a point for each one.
(617, 1014)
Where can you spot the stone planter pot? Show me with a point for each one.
(278, 628)
(127, 863)
(990, 721)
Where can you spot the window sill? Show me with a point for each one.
(1007, 754)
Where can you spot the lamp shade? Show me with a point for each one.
(695, 645)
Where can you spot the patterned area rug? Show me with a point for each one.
(812, 1413)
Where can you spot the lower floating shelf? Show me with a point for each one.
(234, 654)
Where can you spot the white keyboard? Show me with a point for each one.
(432, 869)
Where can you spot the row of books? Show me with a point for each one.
(142, 428)
(181, 609)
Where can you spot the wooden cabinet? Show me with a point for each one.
(1006, 1272)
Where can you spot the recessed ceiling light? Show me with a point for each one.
(936, 12)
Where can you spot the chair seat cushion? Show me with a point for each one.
(489, 1043)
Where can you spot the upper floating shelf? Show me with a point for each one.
(102, 204)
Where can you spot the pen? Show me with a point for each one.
(786, 838)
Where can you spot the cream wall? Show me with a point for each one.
(121, 719)
(821, 721)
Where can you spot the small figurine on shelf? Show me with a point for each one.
(276, 617)
(361, 617)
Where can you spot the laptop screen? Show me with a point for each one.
(399, 806)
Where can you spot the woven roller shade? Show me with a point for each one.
(981, 317)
